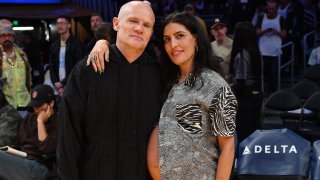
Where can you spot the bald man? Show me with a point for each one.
(106, 119)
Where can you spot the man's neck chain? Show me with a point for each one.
(11, 59)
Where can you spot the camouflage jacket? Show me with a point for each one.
(10, 120)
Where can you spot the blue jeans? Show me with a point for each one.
(15, 167)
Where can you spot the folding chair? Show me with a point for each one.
(312, 73)
(278, 104)
(310, 131)
(305, 88)
(277, 154)
(313, 102)
(315, 161)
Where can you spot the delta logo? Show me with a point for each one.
(269, 149)
(34, 94)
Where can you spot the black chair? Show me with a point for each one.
(276, 154)
(312, 73)
(278, 104)
(305, 88)
(313, 102)
(310, 131)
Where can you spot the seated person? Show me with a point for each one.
(10, 120)
(37, 136)
(314, 57)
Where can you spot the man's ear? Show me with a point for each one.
(115, 22)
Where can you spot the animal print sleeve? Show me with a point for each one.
(222, 112)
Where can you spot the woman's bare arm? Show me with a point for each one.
(226, 158)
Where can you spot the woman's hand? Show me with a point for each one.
(99, 53)
(44, 115)
(41, 121)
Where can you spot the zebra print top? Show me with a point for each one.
(190, 120)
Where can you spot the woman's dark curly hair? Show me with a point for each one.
(203, 57)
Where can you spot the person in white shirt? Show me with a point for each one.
(272, 30)
(314, 57)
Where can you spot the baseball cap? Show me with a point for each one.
(41, 94)
(218, 21)
(6, 27)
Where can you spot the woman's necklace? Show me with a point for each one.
(183, 78)
(11, 59)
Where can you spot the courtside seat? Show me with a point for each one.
(280, 104)
(315, 162)
(273, 154)
(310, 131)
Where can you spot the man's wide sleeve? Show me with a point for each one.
(71, 117)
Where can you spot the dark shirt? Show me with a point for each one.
(28, 137)
(239, 13)
(106, 119)
(36, 64)
(33, 55)
(295, 19)
(91, 44)
(75, 51)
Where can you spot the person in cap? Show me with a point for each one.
(38, 136)
(15, 68)
(222, 45)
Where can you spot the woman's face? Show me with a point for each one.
(179, 44)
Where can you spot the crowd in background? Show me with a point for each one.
(232, 11)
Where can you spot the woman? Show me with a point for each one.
(196, 128)
(246, 73)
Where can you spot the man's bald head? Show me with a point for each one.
(132, 5)
(134, 26)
